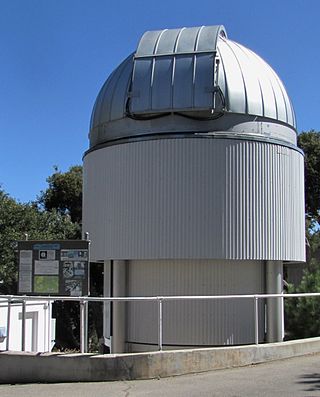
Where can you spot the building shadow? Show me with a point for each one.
(310, 381)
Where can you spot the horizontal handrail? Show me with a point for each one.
(18, 303)
(152, 298)
(13, 300)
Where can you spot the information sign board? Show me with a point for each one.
(53, 267)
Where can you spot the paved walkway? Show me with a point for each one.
(293, 377)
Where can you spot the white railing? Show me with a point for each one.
(9, 300)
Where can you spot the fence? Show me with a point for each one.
(9, 300)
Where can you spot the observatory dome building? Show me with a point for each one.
(193, 185)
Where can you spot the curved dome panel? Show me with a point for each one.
(110, 103)
(192, 80)
(251, 86)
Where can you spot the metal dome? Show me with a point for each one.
(192, 81)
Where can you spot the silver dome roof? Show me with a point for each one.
(192, 81)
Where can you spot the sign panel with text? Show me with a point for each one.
(53, 267)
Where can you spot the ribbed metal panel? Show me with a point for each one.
(110, 103)
(174, 70)
(251, 85)
(194, 71)
(188, 323)
(195, 198)
(179, 41)
(264, 186)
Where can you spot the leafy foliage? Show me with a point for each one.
(64, 193)
(302, 314)
(56, 215)
(16, 219)
(309, 142)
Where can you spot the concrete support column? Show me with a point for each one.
(118, 308)
(275, 311)
(107, 291)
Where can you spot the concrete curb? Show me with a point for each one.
(17, 367)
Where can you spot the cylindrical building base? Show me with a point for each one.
(194, 323)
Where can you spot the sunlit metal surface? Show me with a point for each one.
(194, 183)
(179, 76)
(195, 198)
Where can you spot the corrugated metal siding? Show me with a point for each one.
(195, 198)
(264, 202)
(194, 322)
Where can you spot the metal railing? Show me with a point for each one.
(9, 300)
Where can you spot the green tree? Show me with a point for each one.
(64, 193)
(16, 219)
(302, 314)
(309, 142)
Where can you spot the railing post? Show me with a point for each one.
(45, 326)
(256, 320)
(83, 326)
(49, 325)
(8, 323)
(23, 326)
(160, 323)
(86, 325)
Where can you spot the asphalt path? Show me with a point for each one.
(299, 376)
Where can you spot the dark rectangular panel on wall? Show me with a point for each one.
(58, 267)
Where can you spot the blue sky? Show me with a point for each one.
(56, 54)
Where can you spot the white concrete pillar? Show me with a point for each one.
(275, 311)
(118, 308)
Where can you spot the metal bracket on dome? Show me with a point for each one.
(172, 72)
(132, 94)
(213, 88)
